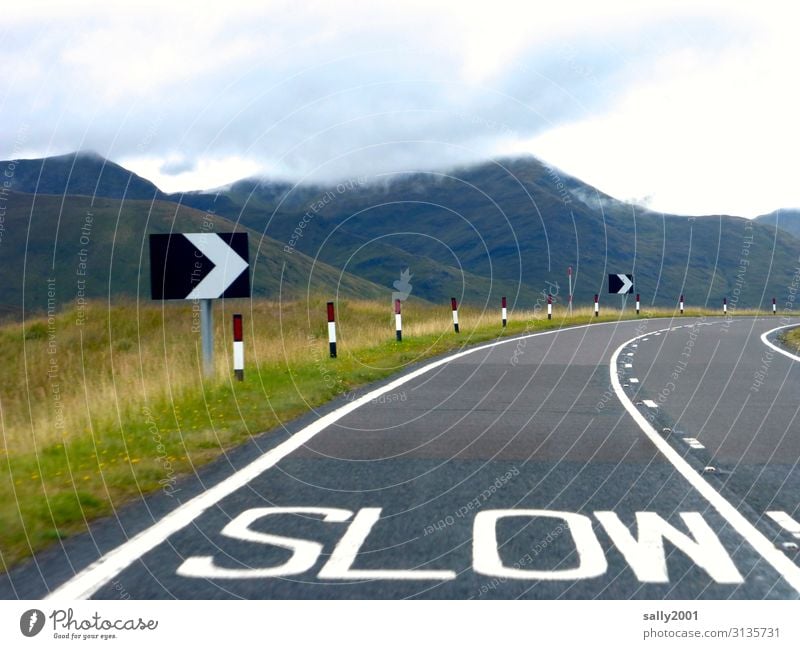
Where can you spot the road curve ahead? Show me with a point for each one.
(642, 459)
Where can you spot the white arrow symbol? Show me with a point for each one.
(228, 265)
(627, 284)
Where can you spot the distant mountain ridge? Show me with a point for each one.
(787, 220)
(507, 227)
(83, 173)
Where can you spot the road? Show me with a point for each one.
(642, 459)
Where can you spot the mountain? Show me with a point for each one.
(69, 248)
(506, 227)
(84, 173)
(518, 224)
(786, 220)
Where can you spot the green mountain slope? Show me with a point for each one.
(82, 173)
(520, 224)
(81, 248)
(508, 227)
(786, 220)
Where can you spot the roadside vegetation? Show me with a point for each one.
(791, 339)
(101, 406)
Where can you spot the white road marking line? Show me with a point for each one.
(644, 340)
(786, 522)
(634, 380)
(628, 365)
(760, 543)
(764, 340)
(629, 354)
(634, 346)
(691, 441)
(650, 403)
(92, 578)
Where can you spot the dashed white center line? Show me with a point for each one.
(629, 354)
(786, 522)
(628, 365)
(634, 380)
(650, 403)
(691, 441)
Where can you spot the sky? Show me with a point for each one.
(686, 107)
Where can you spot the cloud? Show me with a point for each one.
(322, 91)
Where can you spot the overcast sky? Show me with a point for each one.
(692, 106)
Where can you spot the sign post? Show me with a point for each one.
(569, 277)
(202, 266)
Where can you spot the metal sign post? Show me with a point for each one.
(207, 336)
(569, 276)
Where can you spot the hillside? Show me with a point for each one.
(507, 227)
(786, 220)
(520, 224)
(76, 248)
(84, 173)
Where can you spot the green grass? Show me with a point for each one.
(134, 412)
(791, 339)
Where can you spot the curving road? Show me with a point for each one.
(644, 459)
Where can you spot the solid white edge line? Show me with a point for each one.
(785, 567)
(89, 580)
(775, 347)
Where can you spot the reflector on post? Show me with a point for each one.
(454, 305)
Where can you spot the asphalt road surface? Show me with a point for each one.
(645, 459)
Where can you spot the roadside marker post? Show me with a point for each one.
(774, 307)
(637, 304)
(454, 305)
(238, 347)
(398, 321)
(725, 306)
(596, 305)
(503, 311)
(549, 306)
(680, 304)
(331, 330)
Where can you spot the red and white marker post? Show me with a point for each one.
(331, 330)
(725, 305)
(637, 304)
(238, 347)
(774, 307)
(549, 306)
(596, 305)
(454, 305)
(680, 304)
(398, 321)
(503, 311)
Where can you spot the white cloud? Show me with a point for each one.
(205, 173)
(690, 102)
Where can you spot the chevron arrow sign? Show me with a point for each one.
(620, 283)
(199, 266)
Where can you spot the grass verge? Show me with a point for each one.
(791, 339)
